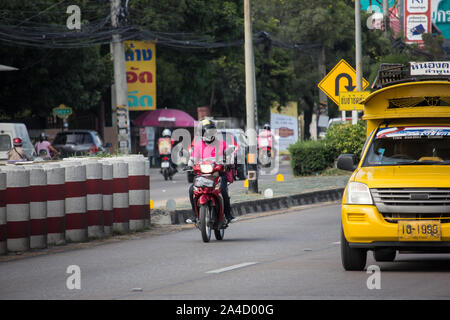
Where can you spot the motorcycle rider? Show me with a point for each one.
(265, 134)
(17, 153)
(44, 148)
(165, 145)
(207, 147)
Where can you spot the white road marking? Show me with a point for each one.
(236, 266)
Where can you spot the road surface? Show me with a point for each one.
(290, 255)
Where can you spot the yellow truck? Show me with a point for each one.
(398, 197)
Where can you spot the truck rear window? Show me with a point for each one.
(428, 145)
(5, 142)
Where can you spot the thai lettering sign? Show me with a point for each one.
(284, 124)
(141, 75)
(430, 68)
(351, 100)
(440, 15)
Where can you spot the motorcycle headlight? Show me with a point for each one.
(358, 193)
(206, 168)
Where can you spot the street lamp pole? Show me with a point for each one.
(250, 94)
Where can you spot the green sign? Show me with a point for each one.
(441, 16)
(62, 111)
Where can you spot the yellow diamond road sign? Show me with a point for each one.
(340, 79)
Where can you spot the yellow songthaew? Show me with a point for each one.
(398, 197)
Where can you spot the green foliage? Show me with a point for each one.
(310, 157)
(346, 138)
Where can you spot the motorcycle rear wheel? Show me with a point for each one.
(205, 217)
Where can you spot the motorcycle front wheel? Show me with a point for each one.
(205, 227)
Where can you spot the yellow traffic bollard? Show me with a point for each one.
(151, 204)
(246, 183)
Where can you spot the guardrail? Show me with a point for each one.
(73, 200)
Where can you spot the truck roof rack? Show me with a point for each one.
(395, 73)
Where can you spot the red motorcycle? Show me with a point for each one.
(208, 200)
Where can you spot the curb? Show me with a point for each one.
(264, 205)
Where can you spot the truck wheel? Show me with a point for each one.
(352, 259)
(384, 255)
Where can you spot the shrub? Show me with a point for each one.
(346, 138)
(309, 157)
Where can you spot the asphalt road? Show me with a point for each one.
(177, 188)
(290, 255)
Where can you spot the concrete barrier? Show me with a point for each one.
(17, 209)
(107, 197)
(56, 194)
(38, 207)
(75, 202)
(49, 203)
(137, 194)
(3, 235)
(121, 210)
(94, 182)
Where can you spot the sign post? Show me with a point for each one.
(63, 112)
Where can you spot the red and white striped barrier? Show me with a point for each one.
(38, 207)
(121, 222)
(17, 209)
(50, 203)
(75, 202)
(94, 200)
(137, 193)
(107, 197)
(3, 235)
(56, 195)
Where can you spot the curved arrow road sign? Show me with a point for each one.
(342, 78)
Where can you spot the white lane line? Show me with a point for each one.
(236, 266)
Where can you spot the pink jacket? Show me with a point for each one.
(202, 151)
(265, 139)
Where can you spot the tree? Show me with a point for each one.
(48, 77)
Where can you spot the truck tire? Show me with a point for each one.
(384, 255)
(353, 259)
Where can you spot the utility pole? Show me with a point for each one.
(120, 84)
(358, 49)
(323, 104)
(250, 94)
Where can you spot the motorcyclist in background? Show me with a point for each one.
(17, 153)
(205, 148)
(44, 148)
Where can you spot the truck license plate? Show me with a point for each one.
(419, 230)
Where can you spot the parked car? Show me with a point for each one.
(79, 142)
(9, 131)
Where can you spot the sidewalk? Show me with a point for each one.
(293, 191)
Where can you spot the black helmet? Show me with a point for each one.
(208, 129)
(43, 137)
